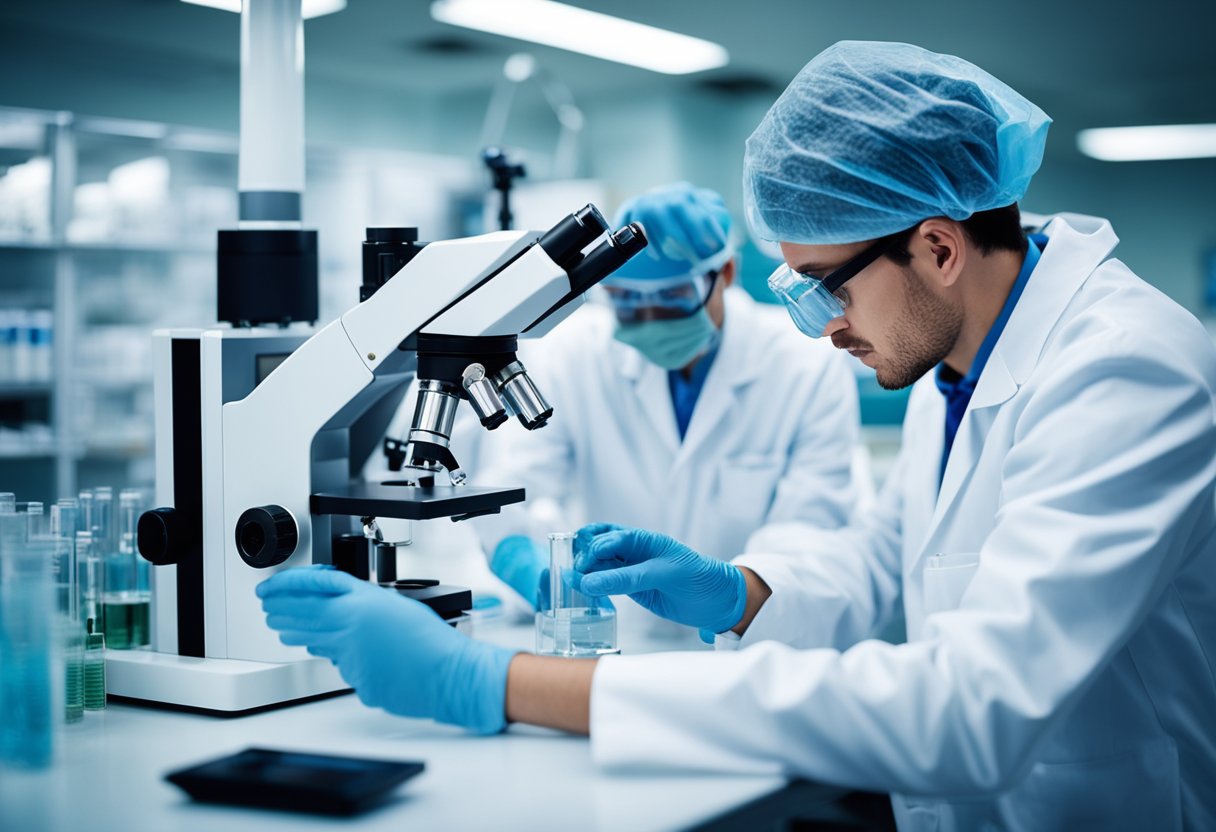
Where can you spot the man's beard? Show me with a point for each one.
(921, 337)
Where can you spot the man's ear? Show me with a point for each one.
(727, 274)
(940, 245)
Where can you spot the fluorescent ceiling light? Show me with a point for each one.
(579, 30)
(1161, 141)
(309, 9)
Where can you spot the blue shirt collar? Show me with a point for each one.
(685, 392)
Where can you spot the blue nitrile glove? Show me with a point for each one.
(519, 562)
(661, 574)
(395, 652)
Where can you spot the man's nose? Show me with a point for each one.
(835, 325)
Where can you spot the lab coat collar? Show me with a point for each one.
(1076, 246)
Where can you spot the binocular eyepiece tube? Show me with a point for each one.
(564, 242)
(608, 256)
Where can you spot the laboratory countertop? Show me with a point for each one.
(111, 769)
(109, 774)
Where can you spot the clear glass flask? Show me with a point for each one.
(569, 623)
(126, 600)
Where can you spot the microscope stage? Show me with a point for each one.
(409, 502)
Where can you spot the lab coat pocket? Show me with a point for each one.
(947, 577)
(746, 486)
(1136, 789)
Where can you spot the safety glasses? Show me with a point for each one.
(636, 301)
(814, 302)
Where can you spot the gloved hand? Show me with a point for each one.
(661, 574)
(395, 652)
(521, 563)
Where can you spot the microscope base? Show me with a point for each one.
(222, 686)
(225, 687)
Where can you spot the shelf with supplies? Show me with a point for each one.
(108, 232)
(101, 222)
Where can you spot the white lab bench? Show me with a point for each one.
(109, 774)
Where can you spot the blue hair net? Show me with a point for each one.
(872, 138)
(688, 229)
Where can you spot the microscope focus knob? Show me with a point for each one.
(266, 536)
(165, 536)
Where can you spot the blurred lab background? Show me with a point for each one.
(118, 158)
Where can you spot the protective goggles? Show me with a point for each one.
(814, 302)
(636, 301)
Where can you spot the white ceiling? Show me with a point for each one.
(1148, 63)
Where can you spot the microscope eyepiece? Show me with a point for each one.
(608, 257)
(564, 242)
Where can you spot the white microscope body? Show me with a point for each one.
(261, 433)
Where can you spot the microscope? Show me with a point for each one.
(262, 431)
(263, 422)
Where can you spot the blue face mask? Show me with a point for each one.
(671, 344)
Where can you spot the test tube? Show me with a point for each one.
(88, 578)
(84, 504)
(36, 521)
(94, 668)
(69, 628)
(127, 599)
(65, 519)
(101, 524)
(568, 622)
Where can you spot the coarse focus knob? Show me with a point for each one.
(164, 536)
(266, 536)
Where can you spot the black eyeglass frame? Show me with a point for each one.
(833, 280)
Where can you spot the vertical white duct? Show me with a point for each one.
(272, 113)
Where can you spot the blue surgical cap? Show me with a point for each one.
(872, 138)
(688, 229)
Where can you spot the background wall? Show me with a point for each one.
(381, 74)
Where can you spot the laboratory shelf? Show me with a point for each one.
(166, 248)
(116, 450)
(26, 245)
(48, 452)
(112, 246)
(26, 391)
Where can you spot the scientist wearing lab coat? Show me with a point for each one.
(1050, 525)
(681, 405)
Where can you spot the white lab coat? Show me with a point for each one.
(1060, 593)
(771, 440)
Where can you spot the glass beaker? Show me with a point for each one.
(27, 731)
(569, 623)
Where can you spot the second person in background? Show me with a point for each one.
(685, 407)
